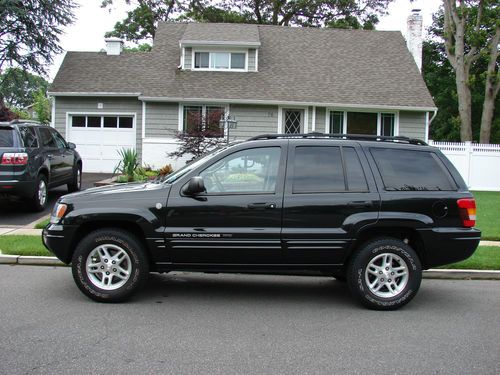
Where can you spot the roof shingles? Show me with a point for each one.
(346, 67)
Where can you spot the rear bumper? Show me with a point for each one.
(448, 245)
(58, 239)
(16, 187)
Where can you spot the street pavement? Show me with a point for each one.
(236, 324)
(17, 212)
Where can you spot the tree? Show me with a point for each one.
(41, 106)
(439, 77)
(201, 136)
(471, 30)
(29, 34)
(141, 22)
(19, 87)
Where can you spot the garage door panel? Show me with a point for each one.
(99, 147)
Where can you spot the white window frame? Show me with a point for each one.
(203, 112)
(212, 51)
(378, 113)
(281, 117)
(69, 120)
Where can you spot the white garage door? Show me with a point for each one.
(98, 139)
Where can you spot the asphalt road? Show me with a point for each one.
(235, 324)
(17, 212)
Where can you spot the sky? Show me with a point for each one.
(92, 21)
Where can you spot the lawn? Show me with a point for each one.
(23, 245)
(42, 224)
(488, 214)
(485, 258)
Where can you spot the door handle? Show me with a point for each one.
(261, 206)
(360, 204)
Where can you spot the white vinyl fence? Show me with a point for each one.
(479, 164)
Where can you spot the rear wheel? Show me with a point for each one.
(40, 196)
(384, 274)
(109, 265)
(76, 183)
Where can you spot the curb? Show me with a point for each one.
(428, 274)
(30, 260)
(461, 274)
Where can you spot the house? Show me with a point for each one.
(269, 79)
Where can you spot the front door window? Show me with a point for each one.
(293, 121)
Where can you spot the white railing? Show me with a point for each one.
(479, 164)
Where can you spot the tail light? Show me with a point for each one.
(15, 158)
(467, 209)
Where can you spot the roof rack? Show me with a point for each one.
(21, 121)
(356, 137)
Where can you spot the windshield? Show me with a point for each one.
(189, 167)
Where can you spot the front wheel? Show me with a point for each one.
(384, 274)
(109, 265)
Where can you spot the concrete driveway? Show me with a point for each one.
(235, 324)
(17, 212)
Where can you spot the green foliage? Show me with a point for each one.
(143, 47)
(23, 245)
(18, 87)
(41, 106)
(439, 76)
(21, 114)
(488, 217)
(485, 258)
(30, 31)
(141, 22)
(128, 164)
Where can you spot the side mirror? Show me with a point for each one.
(71, 145)
(194, 187)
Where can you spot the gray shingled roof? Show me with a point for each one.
(331, 66)
(224, 32)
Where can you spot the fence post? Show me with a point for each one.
(468, 155)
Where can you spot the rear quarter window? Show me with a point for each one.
(28, 136)
(6, 137)
(412, 170)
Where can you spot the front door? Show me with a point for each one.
(238, 219)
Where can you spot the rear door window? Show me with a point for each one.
(47, 139)
(327, 169)
(28, 136)
(6, 137)
(412, 170)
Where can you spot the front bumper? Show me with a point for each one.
(58, 239)
(448, 245)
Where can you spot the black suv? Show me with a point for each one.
(34, 158)
(373, 211)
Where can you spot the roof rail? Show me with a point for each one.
(356, 137)
(21, 121)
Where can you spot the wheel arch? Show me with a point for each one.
(407, 234)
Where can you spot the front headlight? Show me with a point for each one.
(58, 213)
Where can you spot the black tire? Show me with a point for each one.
(41, 194)
(76, 183)
(114, 239)
(388, 296)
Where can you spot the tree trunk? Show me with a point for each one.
(490, 91)
(464, 104)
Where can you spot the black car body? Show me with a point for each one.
(34, 158)
(311, 204)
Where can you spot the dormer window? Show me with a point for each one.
(220, 60)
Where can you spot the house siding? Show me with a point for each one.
(253, 120)
(188, 58)
(64, 105)
(162, 119)
(412, 124)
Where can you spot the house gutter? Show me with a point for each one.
(286, 103)
(103, 93)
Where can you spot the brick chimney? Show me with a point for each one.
(414, 36)
(114, 46)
